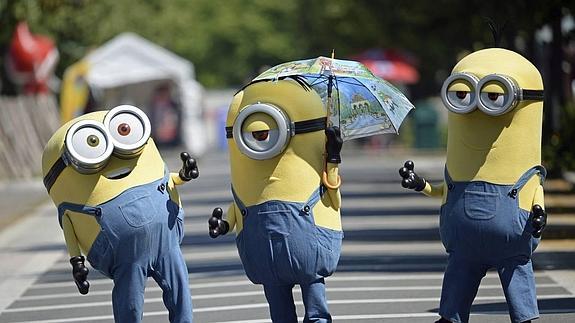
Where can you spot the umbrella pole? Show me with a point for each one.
(329, 99)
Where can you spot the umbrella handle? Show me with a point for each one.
(327, 184)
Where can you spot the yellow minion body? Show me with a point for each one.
(295, 172)
(81, 230)
(492, 213)
(495, 149)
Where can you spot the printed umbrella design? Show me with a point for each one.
(360, 103)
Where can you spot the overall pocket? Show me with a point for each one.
(480, 205)
(275, 222)
(138, 211)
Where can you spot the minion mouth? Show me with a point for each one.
(118, 173)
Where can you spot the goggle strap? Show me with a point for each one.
(299, 127)
(53, 173)
(535, 95)
(309, 125)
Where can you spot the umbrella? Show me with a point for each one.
(360, 103)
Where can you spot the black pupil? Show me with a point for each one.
(93, 140)
(461, 94)
(260, 135)
(492, 96)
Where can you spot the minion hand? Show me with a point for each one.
(189, 168)
(218, 226)
(410, 179)
(333, 145)
(538, 220)
(80, 273)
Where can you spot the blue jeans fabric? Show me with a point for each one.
(141, 230)
(483, 227)
(281, 246)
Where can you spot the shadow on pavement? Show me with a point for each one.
(547, 306)
(371, 263)
(554, 260)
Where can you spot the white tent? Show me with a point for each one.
(128, 68)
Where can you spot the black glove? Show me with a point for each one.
(410, 178)
(538, 220)
(218, 226)
(189, 168)
(80, 273)
(333, 145)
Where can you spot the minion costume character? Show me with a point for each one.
(493, 208)
(286, 208)
(117, 204)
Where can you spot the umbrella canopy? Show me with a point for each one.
(360, 103)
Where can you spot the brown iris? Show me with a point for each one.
(492, 96)
(260, 135)
(92, 140)
(124, 129)
(461, 94)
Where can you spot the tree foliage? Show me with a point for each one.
(230, 41)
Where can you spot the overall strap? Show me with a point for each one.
(239, 202)
(79, 208)
(314, 198)
(535, 170)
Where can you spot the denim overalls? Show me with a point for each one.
(483, 227)
(141, 230)
(281, 246)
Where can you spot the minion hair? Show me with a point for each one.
(496, 30)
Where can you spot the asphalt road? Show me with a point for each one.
(391, 268)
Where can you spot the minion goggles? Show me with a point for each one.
(89, 144)
(491, 103)
(274, 141)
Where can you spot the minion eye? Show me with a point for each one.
(497, 94)
(129, 127)
(261, 131)
(459, 98)
(461, 94)
(261, 141)
(126, 128)
(260, 135)
(458, 92)
(88, 146)
(494, 100)
(89, 142)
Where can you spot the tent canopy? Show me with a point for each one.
(127, 70)
(129, 58)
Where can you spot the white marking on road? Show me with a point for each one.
(335, 317)
(239, 294)
(336, 277)
(400, 315)
(257, 305)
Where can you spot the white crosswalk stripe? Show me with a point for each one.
(391, 267)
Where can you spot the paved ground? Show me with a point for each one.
(391, 267)
(18, 199)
